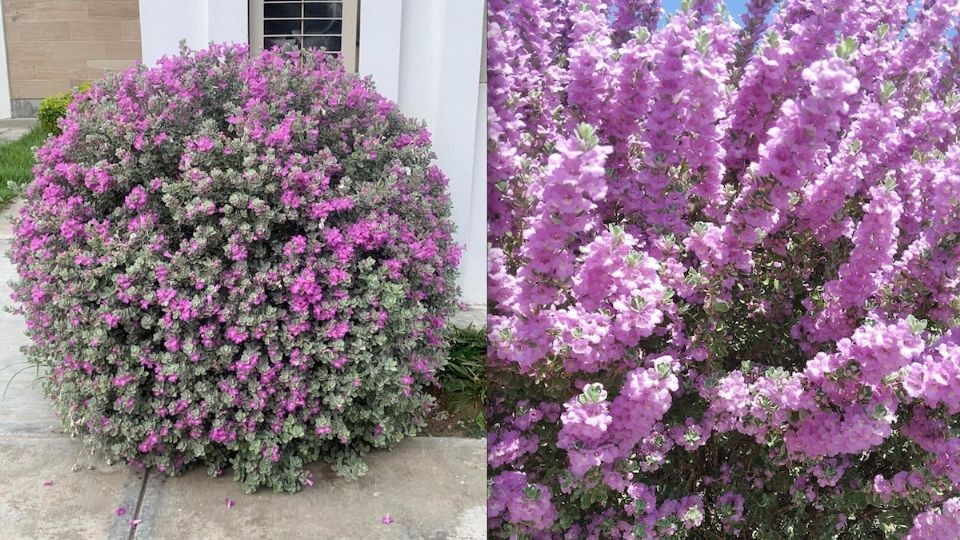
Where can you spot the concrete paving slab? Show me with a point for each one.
(23, 409)
(12, 134)
(77, 505)
(24, 123)
(6, 226)
(433, 488)
(471, 315)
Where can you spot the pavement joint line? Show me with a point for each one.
(42, 434)
(139, 507)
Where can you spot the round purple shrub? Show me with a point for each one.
(237, 261)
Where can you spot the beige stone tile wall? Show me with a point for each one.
(53, 45)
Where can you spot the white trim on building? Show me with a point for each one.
(5, 106)
(381, 34)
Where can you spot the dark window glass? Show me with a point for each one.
(281, 10)
(325, 43)
(280, 41)
(322, 26)
(333, 10)
(281, 27)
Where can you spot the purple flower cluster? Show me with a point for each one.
(238, 260)
(938, 523)
(724, 269)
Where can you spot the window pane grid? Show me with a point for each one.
(325, 25)
(304, 23)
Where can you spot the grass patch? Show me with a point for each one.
(16, 163)
(463, 383)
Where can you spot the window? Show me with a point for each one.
(329, 26)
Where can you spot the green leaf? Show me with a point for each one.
(846, 47)
(917, 326)
(882, 30)
(587, 135)
(703, 41)
(773, 38)
(878, 412)
(890, 183)
(663, 367)
(593, 393)
(887, 89)
(618, 232)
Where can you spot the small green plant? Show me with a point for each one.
(54, 107)
(464, 377)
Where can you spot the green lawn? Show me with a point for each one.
(16, 162)
(463, 380)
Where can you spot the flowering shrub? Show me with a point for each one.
(239, 262)
(724, 270)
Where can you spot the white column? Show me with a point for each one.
(227, 21)
(163, 23)
(380, 23)
(421, 42)
(457, 133)
(5, 111)
(474, 265)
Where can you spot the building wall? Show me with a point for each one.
(427, 56)
(55, 45)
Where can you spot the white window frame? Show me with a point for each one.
(348, 36)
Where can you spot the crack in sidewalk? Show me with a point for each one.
(139, 506)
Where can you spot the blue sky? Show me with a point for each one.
(736, 7)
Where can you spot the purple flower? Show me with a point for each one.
(203, 144)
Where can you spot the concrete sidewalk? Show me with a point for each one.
(12, 129)
(434, 488)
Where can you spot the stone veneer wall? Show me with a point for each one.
(54, 45)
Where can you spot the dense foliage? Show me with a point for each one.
(724, 270)
(464, 378)
(238, 261)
